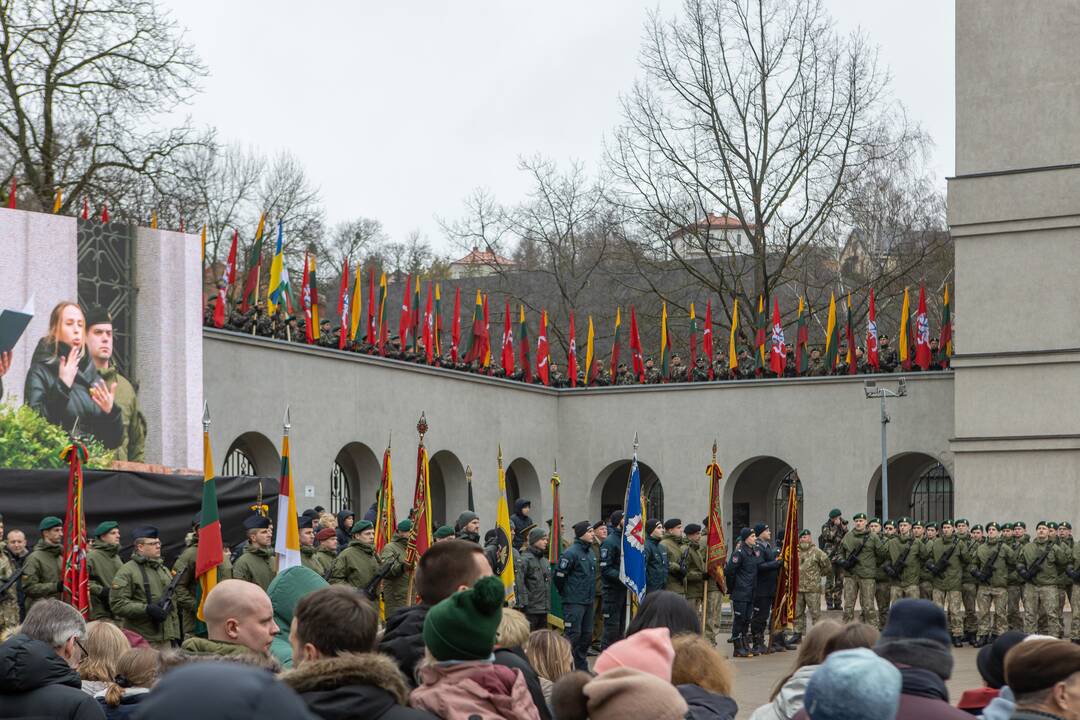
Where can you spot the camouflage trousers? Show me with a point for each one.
(969, 593)
(9, 616)
(1014, 618)
(712, 616)
(926, 590)
(883, 599)
(996, 623)
(834, 587)
(952, 602)
(1074, 602)
(903, 591)
(807, 603)
(863, 590)
(1041, 599)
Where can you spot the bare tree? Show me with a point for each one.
(484, 226)
(757, 117)
(361, 240)
(81, 82)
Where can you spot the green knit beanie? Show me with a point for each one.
(463, 626)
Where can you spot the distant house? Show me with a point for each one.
(721, 234)
(479, 263)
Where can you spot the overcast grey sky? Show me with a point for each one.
(399, 109)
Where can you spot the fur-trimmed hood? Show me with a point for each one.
(349, 669)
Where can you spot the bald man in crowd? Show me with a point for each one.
(239, 619)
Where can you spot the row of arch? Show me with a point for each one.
(919, 484)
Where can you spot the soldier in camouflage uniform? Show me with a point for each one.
(309, 556)
(694, 553)
(903, 563)
(102, 562)
(832, 534)
(883, 584)
(9, 601)
(946, 559)
(42, 577)
(1020, 538)
(991, 565)
(395, 584)
(256, 563)
(187, 589)
(926, 584)
(357, 564)
(859, 552)
(814, 566)
(1064, 538)
(967, 581)
(673, 541)
(1040, 564)
(1074, 599)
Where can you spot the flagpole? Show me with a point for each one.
(421, 428)
(629, 593)
(705, 593)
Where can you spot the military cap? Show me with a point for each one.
(97, 315)
(1004, 526)
(859, 516)
(256, 522)
(948, 522)
(745, 533)
(875, 519)
(1041, 522)
(325, 534)
(672, 523)
(835, 513)
(444, 531)
(904, 519)
(976, 526)
(1065, 525)
(404, 526)
(961, 521)
(360, 526)
(692, 529)
(993, 525)
(105, 527)
(49, 522)
(1051, 524)
(806, 533)
(1020, 524)
(305, 521)
(889, 523)
(917, 523)
(595, 525)
(930, 525)
(760, 528)
(146, 531)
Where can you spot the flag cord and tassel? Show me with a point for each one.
(75, 579)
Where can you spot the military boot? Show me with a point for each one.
(777, 644)
(741, 650)
(759, 647)
(982, 641)
(957, 641)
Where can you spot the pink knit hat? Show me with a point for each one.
(646, 650)
(625, 692)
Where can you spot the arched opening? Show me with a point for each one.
(609, 492)
(522, 482)
(354, 479)
(920, 487)
(252, 454)
(758, 493)
(446, 478)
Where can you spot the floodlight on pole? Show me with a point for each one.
(873, 391)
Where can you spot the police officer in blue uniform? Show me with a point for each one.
(612, 590)
(656, 558)
(575, 579)
(741, 574)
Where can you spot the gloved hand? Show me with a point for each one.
(105, 595)
(155, 613)
(60, 586)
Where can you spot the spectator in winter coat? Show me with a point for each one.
(854, 684)
(625, 692)
(338, 675)
(549, 654)
(136, 673)
(345, 520)
(991, 664)
(703, 678)
(787, 695)
(520, 522)
(1044, 675)
(285, 591)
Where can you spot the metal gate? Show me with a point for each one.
(106, 265)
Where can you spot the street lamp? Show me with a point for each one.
(870, 387)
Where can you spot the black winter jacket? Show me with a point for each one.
(61, 405)
(575, 575)
(367, 685)
(537, 579)
(403, 640)
(705, 705)
(36, 683)
(741, 571)
(768, 569)
(611, 585)
(656, 565)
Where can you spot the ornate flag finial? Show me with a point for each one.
(422, 426)
(206, 416)
(468, 474)
(286, 422)
(714, 451)
(635, 442)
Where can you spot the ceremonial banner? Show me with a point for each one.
(476, 339)
(615, 346)
(706, 337)
(508, 343)
(385, 515)
(313, 284)
(211, 551)
(872, 356)
(555, 611)
(250, 291)
(420, 536)
(438, 326)
(802, 339)
(429, 326)
(504, 558)
(343, 307)
(787, 580)
(372, 329)
(922, 333)
(636, 356)
(287, 540)
(76, 577)
(415, 329)
(542, 352)
(384, 328)
(759, 336)
(226, 283)
(832, 337)
(305, 301)
(716, 549)
(733, 354)
(665, 345)
(405, 325)
(693, 344)
(278, 290)
(571, 355)
(777, 348)
(523, 341)
(355, 306)
(945, 343)
(632, 562)
(849, 334)
(905, 333)
(455, 327)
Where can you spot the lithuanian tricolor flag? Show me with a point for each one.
(832, 335)
(211, 551)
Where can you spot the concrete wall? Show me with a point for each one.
(823, 427)
(1014, 211)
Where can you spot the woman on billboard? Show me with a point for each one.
(64, 386)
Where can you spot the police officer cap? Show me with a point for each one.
(360, 526)
(859, 516)
(806, 533)
(835, 513)
(616, 518)
(672, 523)
(993, 525)
(146, 531)
(105, 527)
(97, 315)
(305, 521)
(49, 522)
(582, 527)
(745, 533)
(256, 522)
(905, 519)
(692, 529)
(976, 526)
(1065, 525)
(760, 528)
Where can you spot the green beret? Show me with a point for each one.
(948, 522)
(444, 531)
(1065, 525)
(105, 527)
(917, 523)
(993, 525)
(360, 526)
(930, 525)
(904, 519)
(875, 520)
(404, 526)
(805, 533)
(835, 513)
(976, 526)
(1019, 524)
(961, 521)
(1004, 526)
(858, 516)
(890, 523)
(1051, 524)
(49, 522)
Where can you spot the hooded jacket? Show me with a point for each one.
(102, 563)
(42, 573)
(924, 667)
(35, 682)
(459, 691)
(62, 405)
(403, 640)
(366, 685)
(789, 701)
(705, 705)
(343, 536)
(285, 592)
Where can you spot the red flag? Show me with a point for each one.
(420, 537)
(406, 314)
(542, 351)
(343, 306)
(871, 335)
(716, 553)
(85, 209)
(372, 331)
(75, 577)
(455, 327)
(787, 584)
(706, 337)
(305, 302)
(777, 348)
(415, 325)
(571, 356)
(849, 332)
(104, 214)
(429, 326)
(508, 343)
(226, 283)
(922, 333)
(11, 197)
(635, 348)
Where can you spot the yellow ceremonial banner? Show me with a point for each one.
(504, 559)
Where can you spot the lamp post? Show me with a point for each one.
(870, 387)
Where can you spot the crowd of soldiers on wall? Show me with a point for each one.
(281, 326)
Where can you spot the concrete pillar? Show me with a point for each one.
(1014, 210)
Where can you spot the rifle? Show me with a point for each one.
(11, 580)
(1029, 573)
(371, 589)
(894, 571)
(984, 573)
(167, 597)
(849, 562)
(937, 568)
